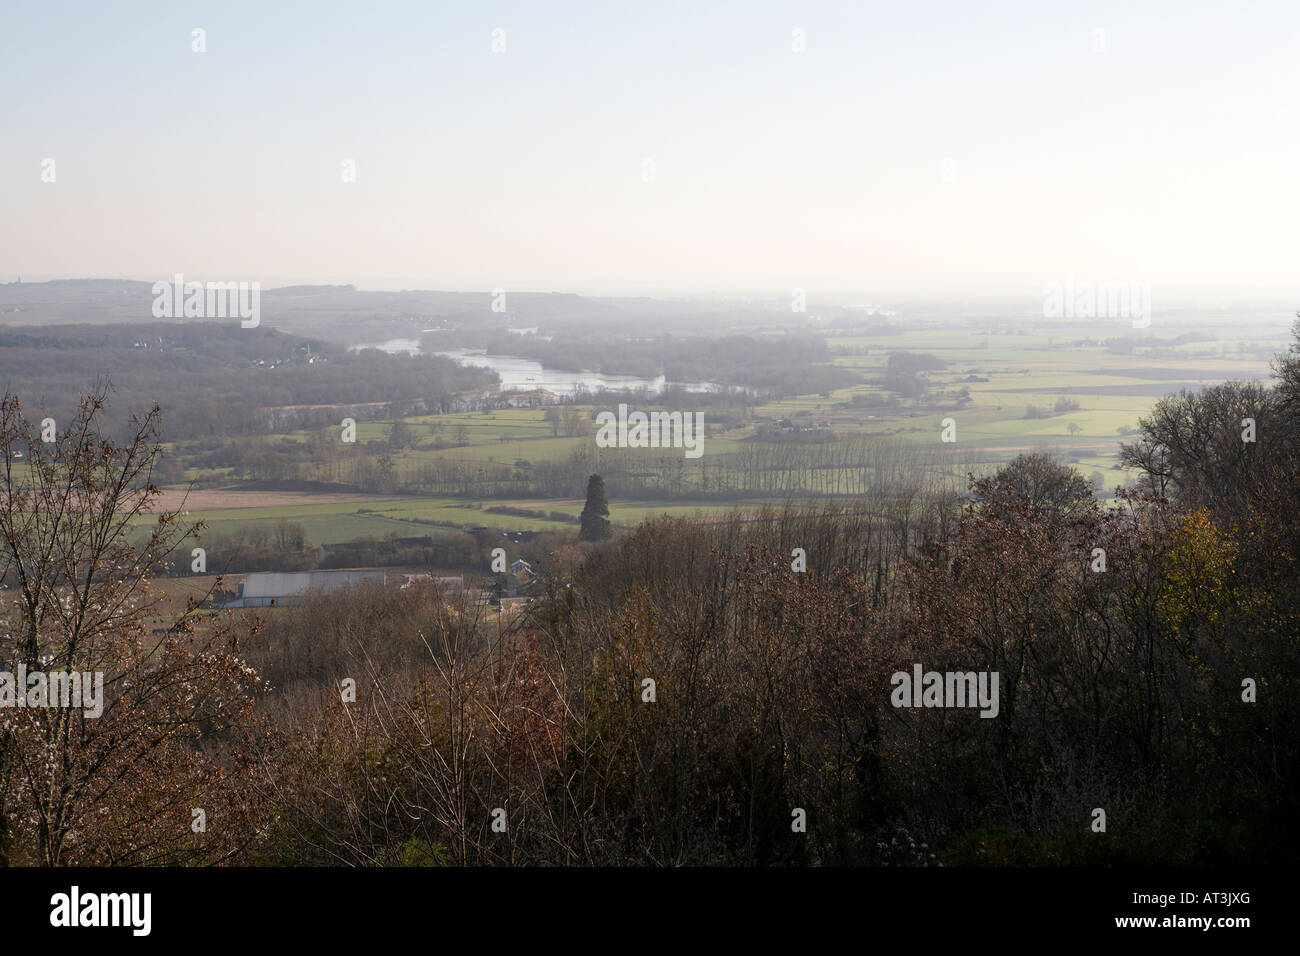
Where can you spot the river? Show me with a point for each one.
(524, 374)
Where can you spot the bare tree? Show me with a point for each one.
(116, 775)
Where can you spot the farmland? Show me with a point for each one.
(407, 516)
(1006, 388)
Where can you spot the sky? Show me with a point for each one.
(662, 147)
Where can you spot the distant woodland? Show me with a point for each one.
(217, 379)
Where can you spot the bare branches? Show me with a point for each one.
(114, 782)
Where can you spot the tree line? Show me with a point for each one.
(214, 379)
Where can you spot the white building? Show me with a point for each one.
(270, 588)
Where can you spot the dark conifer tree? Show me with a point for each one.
(595, 514)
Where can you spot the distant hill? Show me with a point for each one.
(347, 315)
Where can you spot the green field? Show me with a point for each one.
(414, 517)
(1003, 375)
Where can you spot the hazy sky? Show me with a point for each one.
(948, 145)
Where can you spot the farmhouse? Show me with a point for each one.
(530, 398)
(270, 588)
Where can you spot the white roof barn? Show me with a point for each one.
(265, 588)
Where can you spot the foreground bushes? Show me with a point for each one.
(1120, 690)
